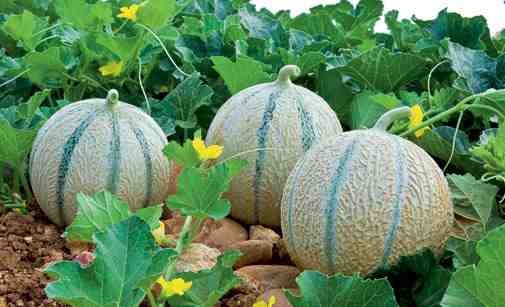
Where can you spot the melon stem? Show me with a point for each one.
(112, 98)
(287, 73)
(389, 117)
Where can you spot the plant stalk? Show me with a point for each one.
(181, 245)
(25, 184)
(456, 109)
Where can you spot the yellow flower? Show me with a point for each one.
(416, 119)
(111, 69)
(271, 302)
(129, 12)
(176, 286)
(159, 233)
(207, 153)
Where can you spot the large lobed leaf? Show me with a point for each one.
(180, 105)
(15, 143)
(95, 214)
(127, 263)
(243, 73)
(26, 28)
(472, 199)
(318, 289)
(382, 70)
(199, 192)
(481, 285)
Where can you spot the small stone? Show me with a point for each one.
(253, 252)
(28, 240)
(280, 298)
(20, 303)
(227, 233)
(270, 276)
(197, 257)
(258, 232)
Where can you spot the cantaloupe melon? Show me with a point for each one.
(98, 144)
(274, 124)
(361, 200)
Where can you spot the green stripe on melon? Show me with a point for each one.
(360, 201)
(274, 124)
(98, 144)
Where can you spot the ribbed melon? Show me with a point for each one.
(98, 144)
(359, 201)
(274, 124)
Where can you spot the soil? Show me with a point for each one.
(27, 244)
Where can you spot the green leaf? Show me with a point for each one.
(481, 284)
(437, 142)
(445, 98)
(199, 192)
(492, 152)
(477, 68)
(185, 100)
(83, 15)
(331, 87)
(15, 144)
(239, 75)
(26, 111)
(318, 289)
(46, 68)
(467, 32)
(359, 22)
(464, 251)
(310, 61)
(209, 285)
(8, 65)
(185, 155)
(472, 198)
(367, 107)
(95, 214)
(319, 24)
(151, 215)
(382, 70)
(263, 26)
(406, 34)
(26, 29)
(157, 13)
(127, 263)
(119, 46)
(233, 30)
(419, 280)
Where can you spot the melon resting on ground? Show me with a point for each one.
(270, 125)
(98, 144)
(361, 200)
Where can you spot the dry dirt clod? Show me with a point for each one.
(268, 277)
(253, 252)
(197, 257)
(258, 232)
(227, 233)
